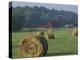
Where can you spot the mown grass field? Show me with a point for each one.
(63, 44)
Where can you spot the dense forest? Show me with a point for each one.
(33, 17)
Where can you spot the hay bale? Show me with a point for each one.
(75, 32)
(34, 46)
(41, 34)
(50, 34)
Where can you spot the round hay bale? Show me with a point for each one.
(50, 34)
(41, 34)
(34, 46)
(75, 32)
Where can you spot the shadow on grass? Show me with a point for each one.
(65, 53)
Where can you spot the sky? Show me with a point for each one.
(71, 8)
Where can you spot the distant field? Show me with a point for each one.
(64, 43)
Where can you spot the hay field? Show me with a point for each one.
(63, 44)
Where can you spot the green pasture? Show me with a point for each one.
(63, 44)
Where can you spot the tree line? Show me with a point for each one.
(34, 17)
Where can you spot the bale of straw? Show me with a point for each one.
(34, 46)
(41, 34)
(75, 32)
(50, 34)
